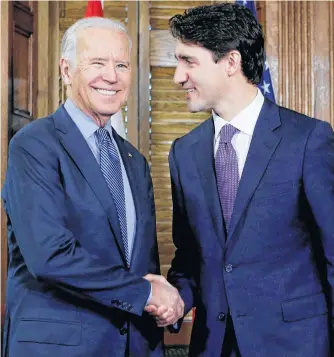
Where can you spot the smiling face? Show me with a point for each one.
(99, 83)
(204, 80)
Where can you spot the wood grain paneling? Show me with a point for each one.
(144, 79)
(162, 11)
(162, 50)
(320, 65)
(43, 61)
(22, 73)
(54, 75)
(132, 104)
(296, 55)
(300, 53)
(24, 77)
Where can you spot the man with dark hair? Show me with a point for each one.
(253, 201)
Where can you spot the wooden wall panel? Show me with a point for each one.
(295, 54)
(43, 61)
(132, 104)
(24, 75)
(54, 45)
(299, 43)
(144, 79)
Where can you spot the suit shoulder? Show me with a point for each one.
(297, 120)
(189, 138)
(40, 129)
(299, 127)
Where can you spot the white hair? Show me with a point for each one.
(69, 40)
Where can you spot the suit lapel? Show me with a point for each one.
(127, 153)
(204, 157)
(75, 145)
(262, 147)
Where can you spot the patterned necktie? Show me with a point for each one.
(226, 163)
(112, 171)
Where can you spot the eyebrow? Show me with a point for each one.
(125, 62)
(184, 57)
(98, 59)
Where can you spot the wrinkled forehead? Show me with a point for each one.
(102, 42)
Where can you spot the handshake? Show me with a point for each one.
(165, 304)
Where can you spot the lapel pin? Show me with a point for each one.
(130, 155)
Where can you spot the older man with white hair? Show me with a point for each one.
(83, 257)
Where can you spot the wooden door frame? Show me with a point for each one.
(143, 93)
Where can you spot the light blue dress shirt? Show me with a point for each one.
(87, 128)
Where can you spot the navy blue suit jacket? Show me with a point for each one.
(69, 291)
(274, 271)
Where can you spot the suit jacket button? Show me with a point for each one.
(123, 331)
(228, 268)
(221, 317)
(115, 302)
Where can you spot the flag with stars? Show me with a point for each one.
(265, 85)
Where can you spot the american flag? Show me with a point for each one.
(265, 85)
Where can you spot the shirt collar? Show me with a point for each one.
(85, 124)
(244, 121)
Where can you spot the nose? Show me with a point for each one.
(109, 74)
(180, 75)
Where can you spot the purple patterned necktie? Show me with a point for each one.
(226, 163)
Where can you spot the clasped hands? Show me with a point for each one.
(165, 305)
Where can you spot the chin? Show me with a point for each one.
(109, 110)
(195, 108)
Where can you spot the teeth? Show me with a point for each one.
(106, 92)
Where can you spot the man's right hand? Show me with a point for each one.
(165, 304)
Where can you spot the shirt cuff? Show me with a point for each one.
(149, 298)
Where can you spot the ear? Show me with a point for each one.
(233, 62)
(66, 73)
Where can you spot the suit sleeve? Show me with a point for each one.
(35, 199)
(183, 268)
(155, 267)
(318, 177)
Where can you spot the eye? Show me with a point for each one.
(122, 65)
(188, 61)
(97, 63)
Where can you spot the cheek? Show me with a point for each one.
(125, 79)
(93, 77)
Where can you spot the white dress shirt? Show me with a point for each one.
(245, 122)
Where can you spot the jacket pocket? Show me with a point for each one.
(65, 333)
(304, 307)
